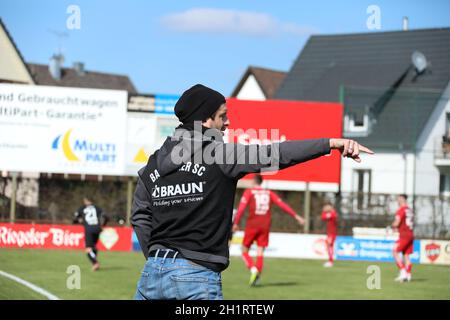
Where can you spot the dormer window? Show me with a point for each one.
(356, 124)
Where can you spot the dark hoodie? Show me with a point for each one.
(184, 200)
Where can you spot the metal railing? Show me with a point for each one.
(442, 148)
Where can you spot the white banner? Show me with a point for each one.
(62, 130)
(140, 140)
(286, 245)
(435, 252)
(146, 133)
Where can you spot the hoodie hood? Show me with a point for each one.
(186, 144)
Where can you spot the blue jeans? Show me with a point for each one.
(178, 278)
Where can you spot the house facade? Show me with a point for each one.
(391, 107)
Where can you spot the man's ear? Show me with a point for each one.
(207, 123)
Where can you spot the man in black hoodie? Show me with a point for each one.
(183, 203)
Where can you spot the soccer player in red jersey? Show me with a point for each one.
(404, 222)
(258, 223)
(329, 214)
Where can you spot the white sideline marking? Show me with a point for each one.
(29, 285)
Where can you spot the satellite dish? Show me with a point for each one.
(419, 61)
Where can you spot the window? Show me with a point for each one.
(362, 187)
(356, 124)
(447, 129)
(448, 123)
(444, 184)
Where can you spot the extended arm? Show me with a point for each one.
(241, 209)
(237, 160)
(286, 208)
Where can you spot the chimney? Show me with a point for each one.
(79, 68)
(55, 66)
(405, 23)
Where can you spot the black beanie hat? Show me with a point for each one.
(198, 103)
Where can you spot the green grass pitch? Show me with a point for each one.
(282, 278)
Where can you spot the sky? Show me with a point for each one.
(167, 46)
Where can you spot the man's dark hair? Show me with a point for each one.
(258, 179)
(404, 196)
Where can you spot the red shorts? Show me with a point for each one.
(261, 236)
(404, 245)
(331, 238)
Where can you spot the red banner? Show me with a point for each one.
(280, 120)
(48, 236)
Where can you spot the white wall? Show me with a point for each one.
(388, 173)
(251, 90)
(427, 176)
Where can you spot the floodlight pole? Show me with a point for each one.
(339, 193)
(307, 208)
(415, 160)
(12, 209)
(129, 199)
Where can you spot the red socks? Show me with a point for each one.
(259, 263)
(248, 260)
(409, 267)
(400, 264)
(330, 253)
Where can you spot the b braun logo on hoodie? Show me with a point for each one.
(178, 190)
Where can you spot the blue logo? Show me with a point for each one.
(165, 103)
(349, 248)
(76, 150)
